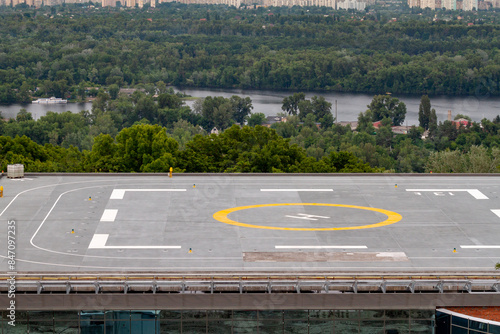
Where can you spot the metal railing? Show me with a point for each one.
(147, 283)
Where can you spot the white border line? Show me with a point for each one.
(119, 193)
(480, 246)
(319, 247)
(296, 189)
(99, 242)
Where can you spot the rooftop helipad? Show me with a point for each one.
(252, 223)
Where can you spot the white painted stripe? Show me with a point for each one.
(312, 216)
(109, 215)
(306, 218)
(99, 242)
(474, 192)
(480, 246)
(319, 247)
(497, 212)
(477, 194)
(296, 190)
(119, 193)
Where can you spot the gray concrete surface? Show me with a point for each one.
(439, 214)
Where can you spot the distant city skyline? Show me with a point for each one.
(466, 5)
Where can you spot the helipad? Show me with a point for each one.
(253, 223)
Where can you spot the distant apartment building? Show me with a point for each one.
(470, 5)
(467, 5)
(428, 4)
(235, 3)
(449, 4)
(351, 4)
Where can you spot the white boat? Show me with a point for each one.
(52, 100)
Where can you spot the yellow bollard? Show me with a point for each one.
(1, 191)
(170, 173)
(72, 231)
(454, 250)
(194, 185)
(90, 198)
(396, 185)
(190, 250)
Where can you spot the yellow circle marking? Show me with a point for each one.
(392, 217)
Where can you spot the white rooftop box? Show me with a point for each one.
(15, 171)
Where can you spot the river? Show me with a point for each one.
(348, 105)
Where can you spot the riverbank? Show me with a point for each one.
(348, 106)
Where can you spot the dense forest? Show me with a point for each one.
(86, 52)
(62, 51)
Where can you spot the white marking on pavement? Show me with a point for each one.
(474, 192)
(48, 214)
(99, 241)
(109, 215)
(480, 246)
(305, 189)
(497, 212)
(477, 194)
(319, 247)
(119, 193)
(306, 216)
(311, 216)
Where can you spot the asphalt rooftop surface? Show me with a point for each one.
(227, 223)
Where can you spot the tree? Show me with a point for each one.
(23, 96)
(23, 115)
(146, 108)
(209, 105)
(476, 160)
(102, 157)
(424, 112)
(256, 119)
(305, 108)
(171, 101)
(291, 103)
(383, 106)
(384, 133)
(321, 107)
(461, 116)
(365, 122)
(145, 148)
(242, 107)
(346, 162)
(433, 124)
(222, 116)
(113, 90)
